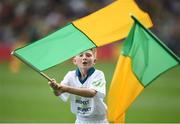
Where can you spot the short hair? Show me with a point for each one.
(94, 52)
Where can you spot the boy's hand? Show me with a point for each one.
(60, 89)
(53, 84)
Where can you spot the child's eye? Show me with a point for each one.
(88, 55)
(80, 55)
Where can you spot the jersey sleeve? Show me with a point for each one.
(65, 81)
(99, 84)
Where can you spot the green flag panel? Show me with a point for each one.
(149, 56)
(55, 48)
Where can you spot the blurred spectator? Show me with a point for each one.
(40, 17)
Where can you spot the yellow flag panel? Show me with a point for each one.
(111, 23)
(118, 103)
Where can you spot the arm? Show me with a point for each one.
(84, 92)
(58, 89)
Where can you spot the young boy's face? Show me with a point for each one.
(85, 60)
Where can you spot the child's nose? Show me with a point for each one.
(84, 57)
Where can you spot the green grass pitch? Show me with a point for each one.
(26, 97)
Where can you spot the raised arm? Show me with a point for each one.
(59, 88)
(85, 92)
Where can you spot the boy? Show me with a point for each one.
(86, 89)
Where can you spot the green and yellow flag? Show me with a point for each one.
(105, 26)
(143, 58)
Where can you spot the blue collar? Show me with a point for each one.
(89, 73)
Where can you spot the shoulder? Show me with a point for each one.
(71, 73)
(68, 77)
(99, 72)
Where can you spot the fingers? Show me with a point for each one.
(53, 84)
(52, 81)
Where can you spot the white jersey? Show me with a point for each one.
(83, 106)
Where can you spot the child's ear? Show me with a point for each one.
(94, 61)
(74, 60)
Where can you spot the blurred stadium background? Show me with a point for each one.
(25, 95)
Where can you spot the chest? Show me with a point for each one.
(75, 82)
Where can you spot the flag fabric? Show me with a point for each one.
(111, 23)
(105, 26)
(143, 58)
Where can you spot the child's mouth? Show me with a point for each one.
(84, 63)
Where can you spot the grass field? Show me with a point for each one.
(26, 97)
